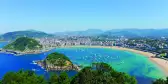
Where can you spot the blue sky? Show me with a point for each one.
(71, 15)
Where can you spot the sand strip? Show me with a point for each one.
(163, 64)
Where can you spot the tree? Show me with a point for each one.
(22, 77)
(99, 73)
(63, 78)
(161, 81)
(102, 73)
(53, 79)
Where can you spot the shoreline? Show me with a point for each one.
(161, 63)
(19, 53)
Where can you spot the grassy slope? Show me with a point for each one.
(23, 43)
(58, 59)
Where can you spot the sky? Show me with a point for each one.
(75, 15)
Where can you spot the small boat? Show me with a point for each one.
(120, 63)
(33, 69)
(34, 62)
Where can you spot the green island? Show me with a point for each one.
(57, 61)
(24, 44)
(98, 73)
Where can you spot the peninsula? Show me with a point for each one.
(57, 62)
(23, 45)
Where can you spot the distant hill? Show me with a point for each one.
(137, 33)
(130, 33)
(89, 32)
(23, 43)
(28, 33)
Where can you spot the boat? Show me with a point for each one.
(120, 63)
(33, 69)
(34, 62)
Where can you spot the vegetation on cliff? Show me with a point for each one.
(102, 73)
(23, 43)
(22, 77)
(99, 73)
(58, 59)
(161, 81)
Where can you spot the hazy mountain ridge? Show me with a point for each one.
(89, 32)
(118, 32)
(27, 33)
(137, 32)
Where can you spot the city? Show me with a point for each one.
(158, 46)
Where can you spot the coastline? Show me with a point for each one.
(161, 63)
(19, 53)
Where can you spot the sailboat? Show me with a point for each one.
(122, 62)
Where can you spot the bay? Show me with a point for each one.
(134, 64)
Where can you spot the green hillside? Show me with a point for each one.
(23, 43)
(17, 34)
(57, 59)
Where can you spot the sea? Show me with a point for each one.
(131, 63)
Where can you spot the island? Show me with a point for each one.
(57, 62)
(23, 45)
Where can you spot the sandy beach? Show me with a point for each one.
(163, 64)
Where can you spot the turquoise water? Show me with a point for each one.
(124, 61)
(134, 64)
(2, 44)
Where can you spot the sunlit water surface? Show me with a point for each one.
(134, 64)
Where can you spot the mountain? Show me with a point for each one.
(89, 32)
(137, 33)
(23, 43)
(27, 33)
(130, 33)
